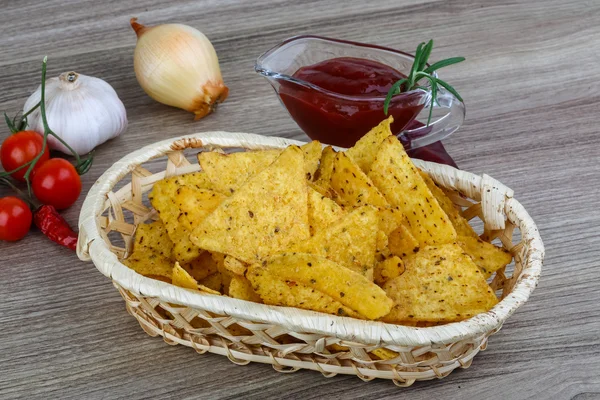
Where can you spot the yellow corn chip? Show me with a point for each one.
(195, 204)
(228, 172)
(213, 282)
(226, 276)
(440, 284)
(382, 242)
(364, 151)
(400, 182)
(350, 241)
(241, 288)
(461, 225)
(402, 243)
(150, 263)
(384, 354)
(312, 155)
(352, 186)
(201, 267)
(264, 216)
(390, 218)
(322, 211)
(235, 266)
(486, 256)
(325, 277)
(323, 174)
(336, 347)
(388, 269)
(154, 237)
(182, 279)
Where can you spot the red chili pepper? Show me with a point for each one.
(49, 221)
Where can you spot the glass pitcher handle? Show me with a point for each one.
(448, 116)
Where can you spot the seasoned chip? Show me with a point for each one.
(323, 174)
(336, 347)
(312, 155)
(182, 279)
(324, 277)
(384, 354)
(364, 151)
(201, 267)
(400, 182)
(486, 256)
(388, 269)
(213, 282)
(195, 204)
(154, 237)
(150, 263)
(228, 172)
(226, 276)
(352, 186)
(402, 243)
(390, 218)
(264, 216)
(461, 225)
(350, 241)
(322, 211)
(440, 284)
(241, 288)
(382, 242)
(235, 266)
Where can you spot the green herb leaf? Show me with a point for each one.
(443, 63)
(426, 54)
(395, 89)
(449, 88)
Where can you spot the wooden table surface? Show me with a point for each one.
(531, 84)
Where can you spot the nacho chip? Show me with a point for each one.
(323, 174)
(382, 242)
(324, 277)
(363, 152)
(312, 155)
(241, 288)
(264, 216)
(235, 266)
(154, 237)
(388, 269)
(195, 204)
(228, 172)
(322, 211)
(384, 354)
(226, 276)
(400, 182)
(440, 284)
(336, 347)
(213, 282)
(350, 241)
(402, 243)
(182, 279)
(352, 186)
(461, 225)
(201, 267)
(486, 256)
(390, 218)
(149, 263)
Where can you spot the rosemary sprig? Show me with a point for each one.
(419, 71)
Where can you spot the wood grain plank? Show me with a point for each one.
(532, 87)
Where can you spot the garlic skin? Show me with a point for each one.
(177, 65)
(84, 111)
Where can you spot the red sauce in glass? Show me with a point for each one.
(351, 102)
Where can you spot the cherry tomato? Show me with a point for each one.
(57, 183)
(20, 148)
(15, 218)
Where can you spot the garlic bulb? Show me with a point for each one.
(84, 111)
(177, 65)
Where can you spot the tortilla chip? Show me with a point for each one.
(195, 204)
(350, 241)
(182, 279)
(384, 354)
(388, 269)
(322, 211)
(213, 282)
(440, 284)
(402, 243)
(241, 288)
(324, 278)
(461, 225)
(201, 267)
(336, 347)
(235, 266)
(382, 242)
(363, 152)
(226, 276)
(352, 186)
(400, 182)
(312, 155)
(262, 217)
(154, 237)
(486, 256)
(323, 174)
(150, 263)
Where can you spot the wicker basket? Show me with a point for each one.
(289, 338)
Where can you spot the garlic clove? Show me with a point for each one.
(84, 111)
(177, 65)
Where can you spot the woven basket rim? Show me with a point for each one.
(92, 247)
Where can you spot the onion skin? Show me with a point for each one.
(177, 65)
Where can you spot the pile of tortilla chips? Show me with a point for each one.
(361, 233)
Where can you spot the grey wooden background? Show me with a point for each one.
(532, 87)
